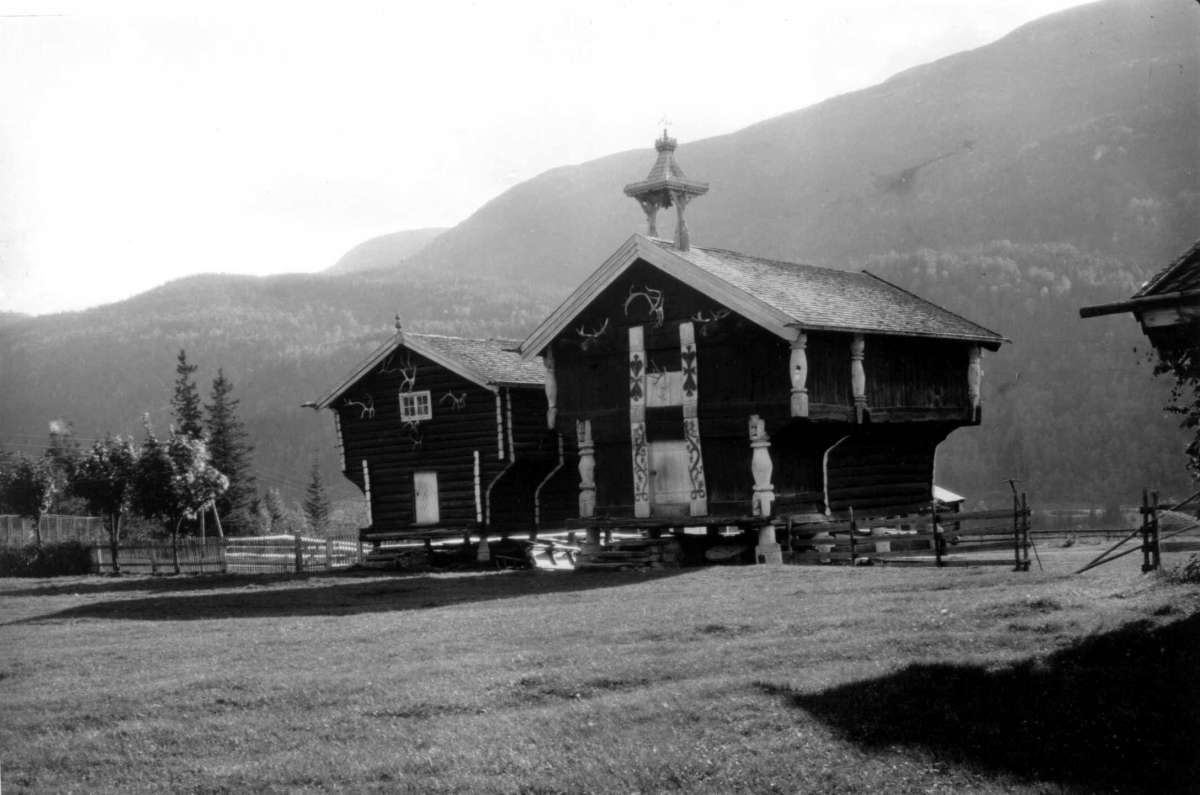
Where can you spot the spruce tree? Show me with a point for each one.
(186, 400)
(230, 448)
(316, 502)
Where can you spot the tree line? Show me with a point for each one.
(201, 469)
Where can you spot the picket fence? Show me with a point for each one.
(281, 554)
(18, 531)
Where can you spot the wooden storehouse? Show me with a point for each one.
(446, 435)
(1167, 306)
(704, 387)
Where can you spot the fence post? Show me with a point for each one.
(936, 529)
(853, 532)
(1016, 508)
(1146, 522)
(328, 554)
(1026, 543)
(1155, 550)
(224, 558)
(299, 553)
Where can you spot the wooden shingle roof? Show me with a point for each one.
(782, 297)
(1182, 274)
(828, 299)
(491, 363)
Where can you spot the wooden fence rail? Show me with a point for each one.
(936, 537)
(237, 555)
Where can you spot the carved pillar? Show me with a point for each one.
(974, 379)
(690, 395)
(682, 239)
(768, 550)
(637, 423)
(587, 468)
(858, 375)
(761, 467)
(551, 389)
(798, 365)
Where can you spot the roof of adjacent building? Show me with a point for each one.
(1178, 283)
(1182, 274)
(782, 297)
(491, 363)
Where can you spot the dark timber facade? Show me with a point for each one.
(446, 435)
(708, 387)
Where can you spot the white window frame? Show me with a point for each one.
(416, 406)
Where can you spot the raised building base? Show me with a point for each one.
(768, 551)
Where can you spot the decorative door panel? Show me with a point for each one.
(670, 478)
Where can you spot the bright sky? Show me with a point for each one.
(144, 141)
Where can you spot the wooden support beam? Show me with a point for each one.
(798, 370)
(858, 375)
(551, 388)
(587, 468)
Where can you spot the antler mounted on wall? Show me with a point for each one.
(367, 406)
(653, 297)
(591, 338)
(408, 376)
(457, 402)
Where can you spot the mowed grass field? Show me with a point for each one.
(728, 679)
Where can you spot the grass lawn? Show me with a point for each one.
(758, 679)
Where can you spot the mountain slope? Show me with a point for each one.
(385, 251)
(1078, 127)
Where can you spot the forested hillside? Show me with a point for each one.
(1055, 168)
(1070, 408)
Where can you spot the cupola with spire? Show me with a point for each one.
(666, 185)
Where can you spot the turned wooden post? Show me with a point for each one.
(761, 467)
(798, 365)
(858, 375)
(974, 379)
(551, 389)
(587, 468)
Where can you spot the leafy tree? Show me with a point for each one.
(1182, 362)
(273, 505)
(230, 447)
(186, 400)
(316, 502)
(30, 488)
(175, 480)
(105, 478)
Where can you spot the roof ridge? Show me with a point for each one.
(935, 304)
(772, 261)
(454, 337)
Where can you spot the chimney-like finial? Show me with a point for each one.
(664, 186)
(399, 329)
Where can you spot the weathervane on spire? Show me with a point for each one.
(664, 186)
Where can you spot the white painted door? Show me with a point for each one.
(670, 483)
(425, 497)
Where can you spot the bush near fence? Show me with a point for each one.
(48, 560)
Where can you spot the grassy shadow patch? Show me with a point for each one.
(1115, 712)
(324, 596)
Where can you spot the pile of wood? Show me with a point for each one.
(628, 554)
